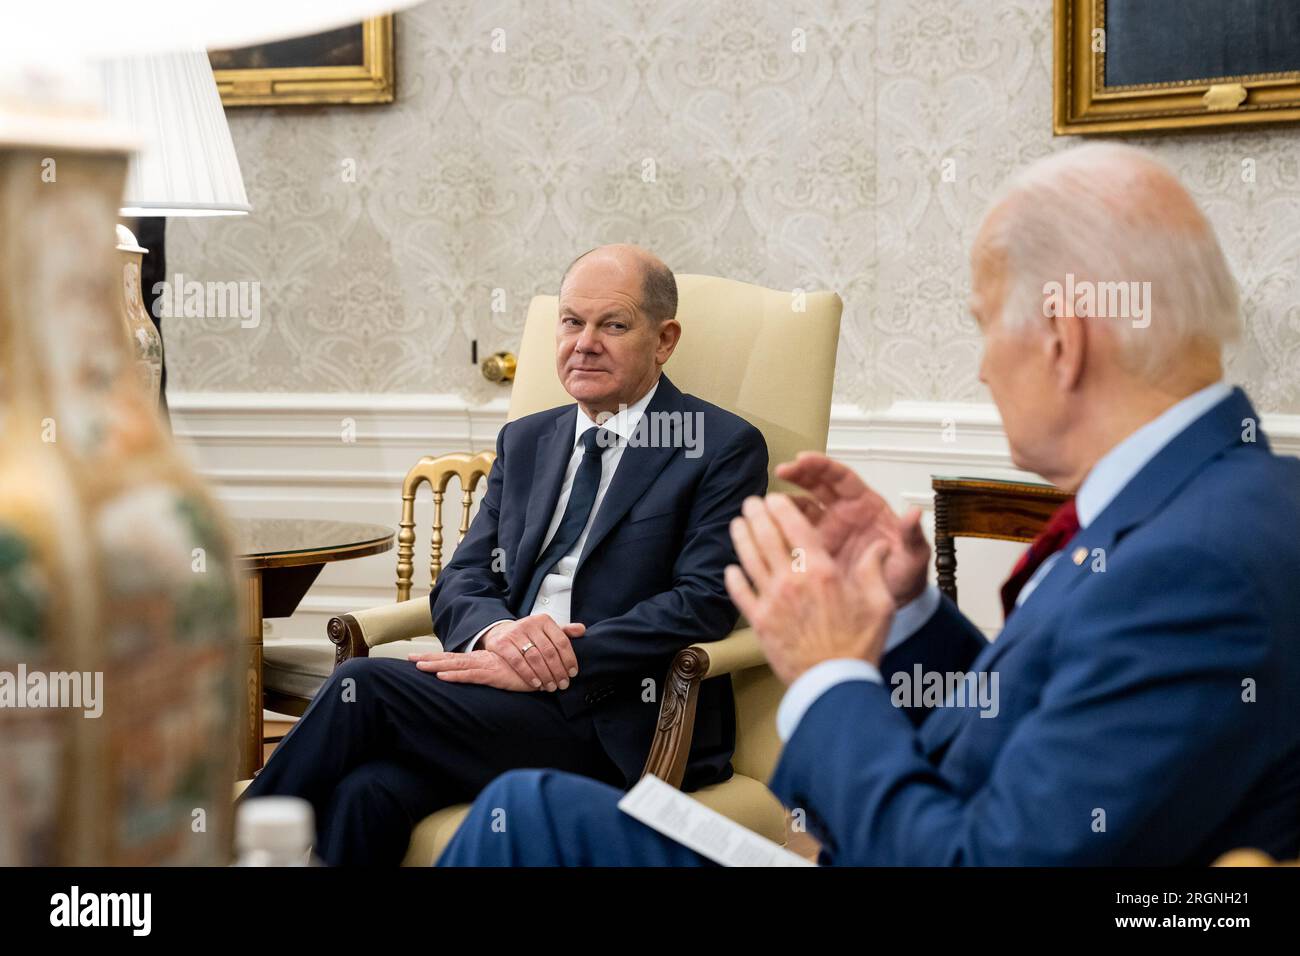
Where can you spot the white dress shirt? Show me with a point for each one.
(1104, 482)
(556, 592)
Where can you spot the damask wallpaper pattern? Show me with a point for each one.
(844, 144)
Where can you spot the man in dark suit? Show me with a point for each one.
(597, 554)
(1139, 705)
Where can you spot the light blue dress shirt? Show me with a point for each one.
(1106, 480)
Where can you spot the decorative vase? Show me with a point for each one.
(145, 343)
(120, 657)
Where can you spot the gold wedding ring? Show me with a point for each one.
(527, 647)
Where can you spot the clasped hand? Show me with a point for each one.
(529, 654)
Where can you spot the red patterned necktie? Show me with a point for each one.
(1060, 528)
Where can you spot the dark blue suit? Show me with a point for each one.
(1147, 712)
(393, 745)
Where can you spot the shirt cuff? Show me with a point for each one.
(473, 641)
(814, 682)
(912, 616)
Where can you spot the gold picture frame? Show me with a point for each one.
(368, 77)
(1083, 103)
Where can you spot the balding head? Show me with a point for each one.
(618, 307)
(1103, 298)
(658, 284)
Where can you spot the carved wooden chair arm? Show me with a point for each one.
(672, 741)
(354, 634)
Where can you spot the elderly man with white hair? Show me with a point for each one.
(1149, 669)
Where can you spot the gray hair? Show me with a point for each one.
(1115, 216)
(659, 292)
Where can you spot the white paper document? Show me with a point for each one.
(707, 832)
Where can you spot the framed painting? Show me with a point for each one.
(353, 64)
(1168, 64)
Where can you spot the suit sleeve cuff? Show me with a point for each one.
(913, 616)
(473, 641)
(814, 682)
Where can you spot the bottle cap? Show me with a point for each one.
(275, 823)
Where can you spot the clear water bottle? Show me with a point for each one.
(275, 831)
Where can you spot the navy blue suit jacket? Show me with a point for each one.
(649, 580)
(1148, 713)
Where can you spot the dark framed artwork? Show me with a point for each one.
(353, 64)
(1168, 64)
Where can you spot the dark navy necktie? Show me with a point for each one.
(581, 497)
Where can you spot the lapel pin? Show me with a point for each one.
(1080, 555)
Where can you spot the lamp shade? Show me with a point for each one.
(187, 164)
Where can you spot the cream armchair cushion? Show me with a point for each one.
(298, 667)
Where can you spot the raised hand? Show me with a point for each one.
(849, 517)
(817, 611)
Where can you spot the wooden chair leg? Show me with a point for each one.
(945, 549)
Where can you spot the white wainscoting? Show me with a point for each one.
(344, 456)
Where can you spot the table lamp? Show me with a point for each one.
(186, 167)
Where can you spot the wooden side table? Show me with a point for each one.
(281, 558)
(985, 508)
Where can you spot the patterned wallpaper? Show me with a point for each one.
(844, 144)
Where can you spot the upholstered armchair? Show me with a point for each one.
(766, 355)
